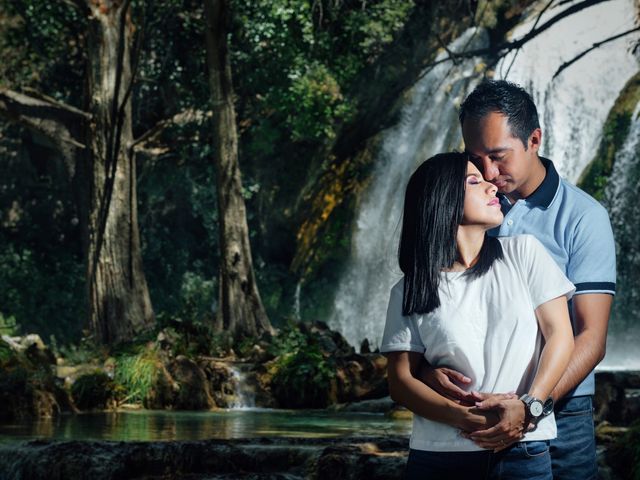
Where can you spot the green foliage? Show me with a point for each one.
(289, 339)
(93, 390)
(27, 296)
(81, 352)
(8, 325)
(136, 374)
(303, 374)
(5, 352)
(42, 47)
(303, 378)
(317, 104)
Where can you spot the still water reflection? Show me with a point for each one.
(225, 424)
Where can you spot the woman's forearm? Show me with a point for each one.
(553, 318)
(422, 400)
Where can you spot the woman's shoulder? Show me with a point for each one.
(524, 246)
(524, 240)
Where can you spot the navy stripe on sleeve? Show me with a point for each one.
(604, 287)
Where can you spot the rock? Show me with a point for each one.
(164, 392)
(361, 377)
(193, 393)
(286, 459)
(617, 396)
(221, 381)
(331, 342)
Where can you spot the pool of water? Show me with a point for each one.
(224, 424)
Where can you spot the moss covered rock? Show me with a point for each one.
(616, 128)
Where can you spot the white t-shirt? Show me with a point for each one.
(485, 328)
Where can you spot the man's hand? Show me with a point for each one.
(442, 381)
(508, 430)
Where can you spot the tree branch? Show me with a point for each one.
(60, 123)
(152, 136)
(504, 48)
(593, 47)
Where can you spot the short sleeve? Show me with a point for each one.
(544, 278)
(400, 333)
(592, 256)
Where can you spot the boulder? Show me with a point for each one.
(193, 388)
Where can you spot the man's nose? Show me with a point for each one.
(490, 171)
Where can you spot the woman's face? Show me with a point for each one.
(481, 206)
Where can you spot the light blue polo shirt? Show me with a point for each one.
(576, 231)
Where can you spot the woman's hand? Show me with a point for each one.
(509, 429)
(444, 381)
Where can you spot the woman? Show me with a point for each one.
(494, 309)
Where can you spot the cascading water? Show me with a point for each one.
(621, 194)
(572, 107)
(244, 393)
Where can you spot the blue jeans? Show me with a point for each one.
(522, 461)
(573, 453)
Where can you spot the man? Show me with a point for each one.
(502, 135)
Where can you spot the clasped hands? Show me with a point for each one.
(493, 421)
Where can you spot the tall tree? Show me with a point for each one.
(97, 146)
(240, 312)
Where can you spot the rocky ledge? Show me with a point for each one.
(380, 458)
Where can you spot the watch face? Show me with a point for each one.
(536, 408)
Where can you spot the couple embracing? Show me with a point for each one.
(494, 331)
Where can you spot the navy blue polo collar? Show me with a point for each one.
(546, 192)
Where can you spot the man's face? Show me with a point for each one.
(500, 156)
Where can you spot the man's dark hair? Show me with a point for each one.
(506, 98)
(433, 208)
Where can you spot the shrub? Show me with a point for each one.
(303, 379)
(93, 390)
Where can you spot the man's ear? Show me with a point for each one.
(535, 139)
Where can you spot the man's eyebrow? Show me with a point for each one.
(493, 150)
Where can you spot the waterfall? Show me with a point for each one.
(244, 393)
(573, 108)
(621, 194)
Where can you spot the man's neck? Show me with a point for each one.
(535, 179)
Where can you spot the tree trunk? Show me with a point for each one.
(119, 303)
(240, 310)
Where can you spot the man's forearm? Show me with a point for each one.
(591, 318)
(587, 353)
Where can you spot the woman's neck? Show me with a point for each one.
(469, 243)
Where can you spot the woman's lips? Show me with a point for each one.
(494, 202)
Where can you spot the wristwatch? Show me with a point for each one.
(535, 408)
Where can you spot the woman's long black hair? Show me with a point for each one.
(433, 209)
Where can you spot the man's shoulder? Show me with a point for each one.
(577, 200)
